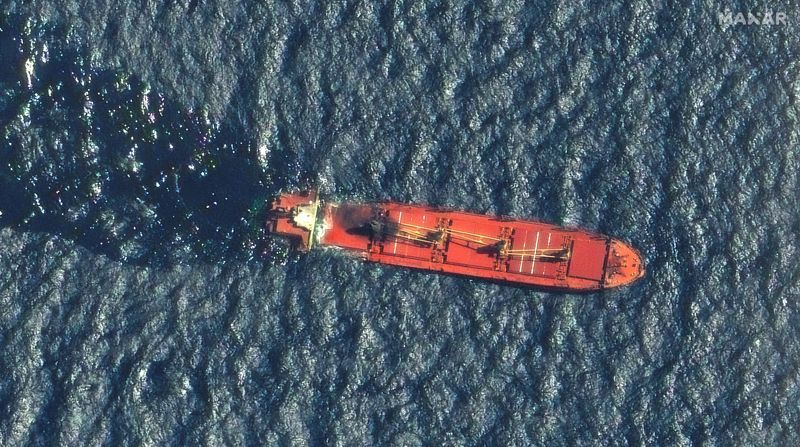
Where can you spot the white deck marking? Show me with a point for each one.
(524, 243)
(548, 246)
(536, 247)
(399, 219)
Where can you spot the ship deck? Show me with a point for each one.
(511, 251)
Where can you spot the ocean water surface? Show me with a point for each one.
(142, 304)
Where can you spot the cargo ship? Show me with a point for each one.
(505, 250)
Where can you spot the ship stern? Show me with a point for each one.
(294, 216)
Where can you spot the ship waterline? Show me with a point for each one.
(506, 250)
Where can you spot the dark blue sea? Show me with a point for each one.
(142, 304)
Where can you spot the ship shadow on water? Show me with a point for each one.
(98, 158)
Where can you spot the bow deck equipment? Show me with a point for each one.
(518, 252)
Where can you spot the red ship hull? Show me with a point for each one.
(510, 251)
